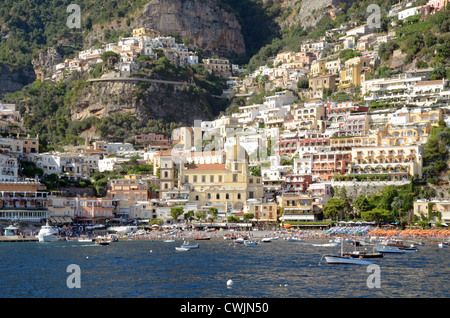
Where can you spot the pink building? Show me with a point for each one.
(437, 4)
(92, 210)
(432, 7)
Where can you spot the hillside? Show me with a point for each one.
(34, 37)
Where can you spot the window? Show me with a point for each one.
(209, 196)
(203, 178)
(211, 178)
(186, 179)
(227, 196)
(196, 198)
(234, 177)
(217, 196)
(239, 196)
(220, 178)
(195, 178)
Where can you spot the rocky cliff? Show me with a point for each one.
(202, 22)
(308, 13)
(143, 100)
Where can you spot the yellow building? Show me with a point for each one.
(350, 76)
(212, 184)
(317, 67)
(145, 32)
(296, 207)
(353, 72)
(399, 161)
(440, 207)
(262, 211)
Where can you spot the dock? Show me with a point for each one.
(18, 238)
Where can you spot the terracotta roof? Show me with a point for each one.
(95, 150)
(424, 83)
(212, 166)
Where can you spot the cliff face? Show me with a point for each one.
(13, 80)
(202, 22)
(45, 61)
(308, 13)
(146, 102)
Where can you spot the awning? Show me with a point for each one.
(60, 219)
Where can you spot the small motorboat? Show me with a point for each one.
(181, 249)
(294, 239)
(203, 238)
(85, 239)
(443, 245)
(394, 247)
(266, 240)
(343, 259)
(102, 242)
(252, 243)
(189, 246)
(239, 240)
(363, 254)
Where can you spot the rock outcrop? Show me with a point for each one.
(145, 101)
(308, 13)
(45, 61)
(202, 22)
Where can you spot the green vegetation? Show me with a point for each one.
(29, 26)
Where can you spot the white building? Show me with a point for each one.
(9, 168)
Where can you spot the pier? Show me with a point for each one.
(18, 238)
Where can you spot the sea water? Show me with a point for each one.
(154, 269)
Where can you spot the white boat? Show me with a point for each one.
(252, 243)
(394, 247)
(189, 246)
(182, 249)
(239, 240)
(326, 244)
(169, 241)
(48, 234)
(266, 240)
(344, 259)
(84, 239)
(338, 259)
(443, 245)
(294, 239)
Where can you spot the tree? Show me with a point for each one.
(200, 215)
(333, 208)
(175, 212)
(362, 204)
(377, 215)
(213, 213)
(248, 216)
(396, 206)
(189, 215)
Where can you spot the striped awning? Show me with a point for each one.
(60, 219)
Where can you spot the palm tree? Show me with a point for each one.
(397, 205)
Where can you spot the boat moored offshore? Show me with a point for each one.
(394, 247)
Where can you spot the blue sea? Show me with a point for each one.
(154, 269)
